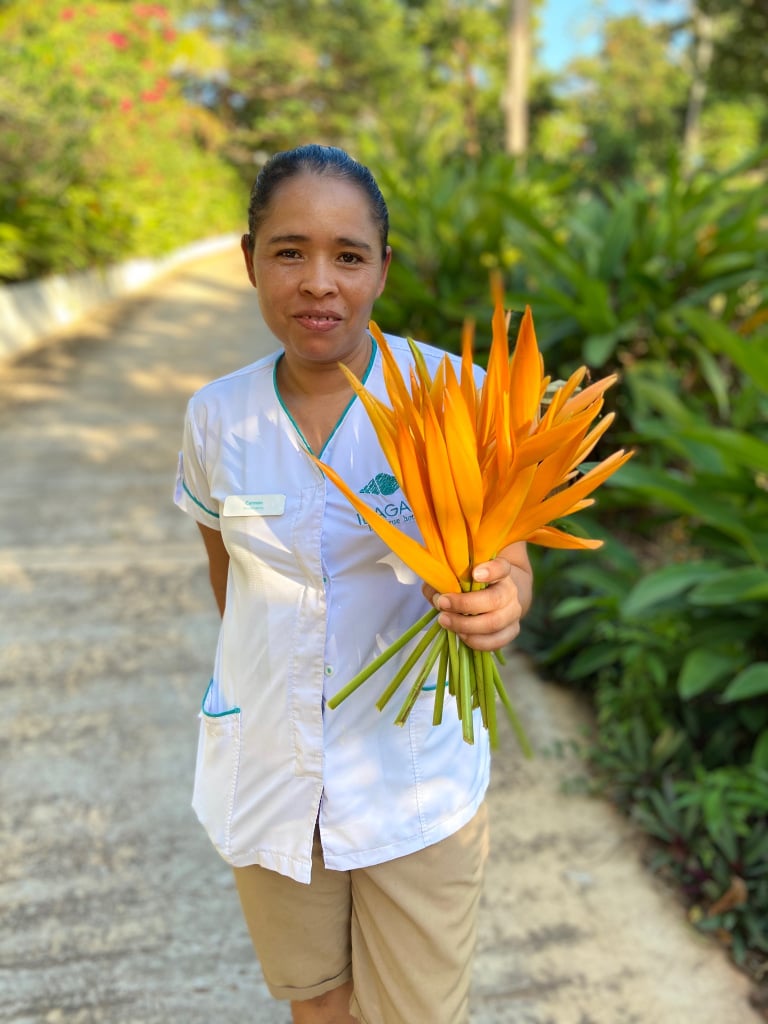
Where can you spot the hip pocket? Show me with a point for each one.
(217, 769)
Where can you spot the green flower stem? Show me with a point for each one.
(478, 675)
(470, 676)
(465, 694)
(453, 658)
(382, 659)
(515, 722)
(490, 699)
(442, 669)
(408, 664)
(436, 649)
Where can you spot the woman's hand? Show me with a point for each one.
(489, 619)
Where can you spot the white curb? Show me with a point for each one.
(32, 310)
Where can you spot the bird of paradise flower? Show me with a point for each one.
(480, 469)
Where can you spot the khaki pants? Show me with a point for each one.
(404, 930)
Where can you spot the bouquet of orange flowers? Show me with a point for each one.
(480, 469)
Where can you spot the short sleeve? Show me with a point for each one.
(192, 492)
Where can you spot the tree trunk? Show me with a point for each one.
(518, 60)
(703, 49)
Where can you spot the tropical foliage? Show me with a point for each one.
(666, 628)
(669, 628)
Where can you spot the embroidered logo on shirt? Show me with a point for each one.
(382, 483)
(396, 511)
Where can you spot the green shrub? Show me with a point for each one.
(452, 225)
(103, 157)
(667, 626)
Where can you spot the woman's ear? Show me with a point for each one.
(245, 245)
(385, 269)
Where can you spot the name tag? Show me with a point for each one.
(254, 505)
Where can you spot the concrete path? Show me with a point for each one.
(114, 909)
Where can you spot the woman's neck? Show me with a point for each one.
(321, 380)
(317, 396)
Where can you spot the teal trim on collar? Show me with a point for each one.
(219, 714)
(199, 503)
(284, 407)
(372, 360)
(353, 399)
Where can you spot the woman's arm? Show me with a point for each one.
(218, 564)
(489, 619)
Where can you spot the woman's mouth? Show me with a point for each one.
(318, 321)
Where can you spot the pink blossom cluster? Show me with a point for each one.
(122, 40)
(150, 10)
(156, 94)
(118, 39)
(68, 13)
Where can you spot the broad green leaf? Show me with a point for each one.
(727, 263)
(655, 666)
(684, 496)
(732, 586)
(666, 583)
(760, 752)
(589, 661)
(748, 354)
(596, 313)
(667, 743)
(702, 670)
(737, 446)
(720, 827)
(712, 373)
(734, 446)
(600, 579)
(600, 347)
(749, 683)
(574, 605)
(617, 235)
(652, 384)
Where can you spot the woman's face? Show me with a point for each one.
(318, 268)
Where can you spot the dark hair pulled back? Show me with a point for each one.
(314, 159)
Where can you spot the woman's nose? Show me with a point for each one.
(319, 278)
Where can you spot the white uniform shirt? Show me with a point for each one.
(313, 595)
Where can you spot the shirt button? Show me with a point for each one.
(325, 579)
(329, 670)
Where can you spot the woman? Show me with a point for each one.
(357, 846)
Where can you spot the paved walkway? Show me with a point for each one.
(114, 908)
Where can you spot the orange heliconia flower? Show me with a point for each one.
(480, 468)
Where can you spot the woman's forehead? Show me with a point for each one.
(318, 197)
